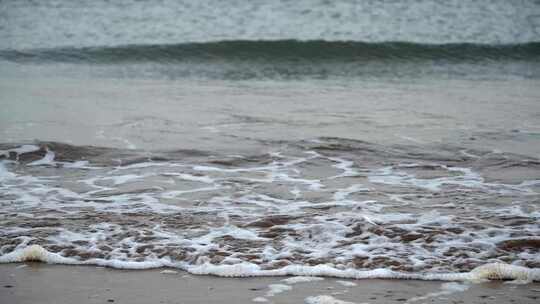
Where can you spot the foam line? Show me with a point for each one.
(491, 271)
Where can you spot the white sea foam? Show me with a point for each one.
(494, 271)
(389, 175)
(35, 253)
(325, 299)
(20, 150)
(189, 177)
(4, 173)
(301, 279)
(272, 219)
(446, 289)
(260, 300)
(48, 159)
(346, 165)
(500, 271)
(342, 194)
(346, 283)
(277, 289)
(122, 179)
(81, 164)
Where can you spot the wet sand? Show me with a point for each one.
(42, 283)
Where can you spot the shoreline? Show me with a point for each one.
(485, 272)
(44, 283)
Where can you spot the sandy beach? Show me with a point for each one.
(42, 283)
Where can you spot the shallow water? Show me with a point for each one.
(342, 203)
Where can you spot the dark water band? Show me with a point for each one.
(291, 51)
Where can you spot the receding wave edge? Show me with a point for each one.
(490, 271)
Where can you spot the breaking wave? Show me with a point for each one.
(279, 51)
(324, 207)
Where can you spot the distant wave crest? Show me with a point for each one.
(280, 51)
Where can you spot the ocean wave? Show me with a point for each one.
(269, 51)
(330, 207)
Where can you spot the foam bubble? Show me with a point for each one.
(325, 299)
(500, 271)
(277, 289)
(347, 283)
(301, 279)
(34, 253)
(260, 300)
